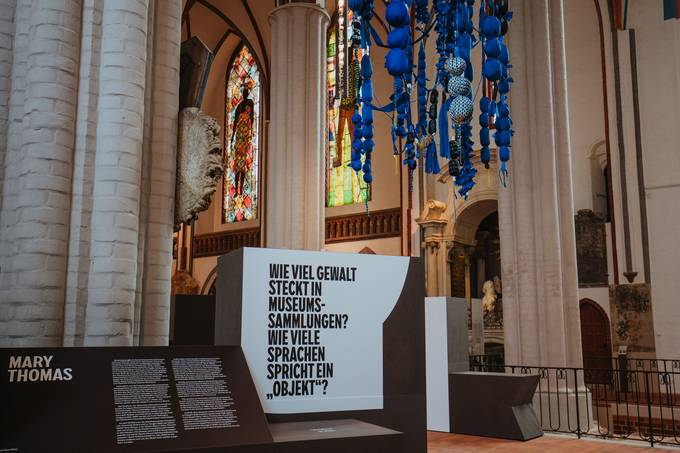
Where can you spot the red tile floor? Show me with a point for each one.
(458, 443)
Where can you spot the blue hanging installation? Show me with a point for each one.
(461, 74)
(494, 18)
(425, 130)
(446, 108)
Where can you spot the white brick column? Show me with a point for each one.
(536, 213)
(112, 282)
(144, 182)
(155, 316)
(8, 328)
(43, 186)
(6, 38)
(296, 165)
(83, 174)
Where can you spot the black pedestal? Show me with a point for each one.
(493, 405)
(329, 436)
(334, 436)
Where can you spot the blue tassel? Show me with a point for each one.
(444, 130)
(431, 161)
(504, 174)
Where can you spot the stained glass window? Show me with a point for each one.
(343, 185)
(241, 139)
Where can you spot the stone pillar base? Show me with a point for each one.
(563, 408)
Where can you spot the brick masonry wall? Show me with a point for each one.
(88, 192)
(9, 329)
(116, 193)
(36, 255)
(146, 150)
(667, 427)
(6, 39)
(158, 259)
(83, 175)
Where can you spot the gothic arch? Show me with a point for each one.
(598, 153)
(482, 201)
(469, 217)
(209, 284)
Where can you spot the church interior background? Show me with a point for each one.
(621, 217)
(574, 257)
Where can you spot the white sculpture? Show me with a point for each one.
(489, 299)
(199, 164)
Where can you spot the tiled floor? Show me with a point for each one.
(457, 443)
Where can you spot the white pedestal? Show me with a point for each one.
(446, 351)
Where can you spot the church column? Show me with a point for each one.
(296, 163)
(34, 259)
(112, 285)
(17, 91)
(536, 214)
(83, 175)
(161, 199)
(433, 223)
(476, 308)
(536, 217)
(6, 38)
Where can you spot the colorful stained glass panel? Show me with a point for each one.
(241, 139)
(343, 185)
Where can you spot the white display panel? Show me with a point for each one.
(312, 327)
(437, 364)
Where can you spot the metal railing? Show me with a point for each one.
(635, 400)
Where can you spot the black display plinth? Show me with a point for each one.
(193, 320)
(493, 405)
(333, 436)
(250, 280)
(330, 436)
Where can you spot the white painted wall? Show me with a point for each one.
(384, 246)
(658, 61)
(584, 84)
(658, 65)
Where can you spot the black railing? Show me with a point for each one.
(634, 401)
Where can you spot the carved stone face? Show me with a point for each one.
(199, 164)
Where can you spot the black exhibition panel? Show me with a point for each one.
(128, 400)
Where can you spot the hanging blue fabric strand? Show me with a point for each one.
(422, 92)
(431, 160)
(496, 63)
(398, 62)
(367, 116)
(444, 128)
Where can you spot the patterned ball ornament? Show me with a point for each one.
(459, 86)
(461, 109)
(456, 66)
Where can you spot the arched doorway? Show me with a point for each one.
(475, 271)
(596, 342)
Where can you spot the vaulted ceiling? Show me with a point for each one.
(223, 25)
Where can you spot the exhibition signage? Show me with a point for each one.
(329, 334)
(127, 399)
(312, 327)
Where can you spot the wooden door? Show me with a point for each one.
(596, 343)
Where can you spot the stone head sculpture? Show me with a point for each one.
(199, 164)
